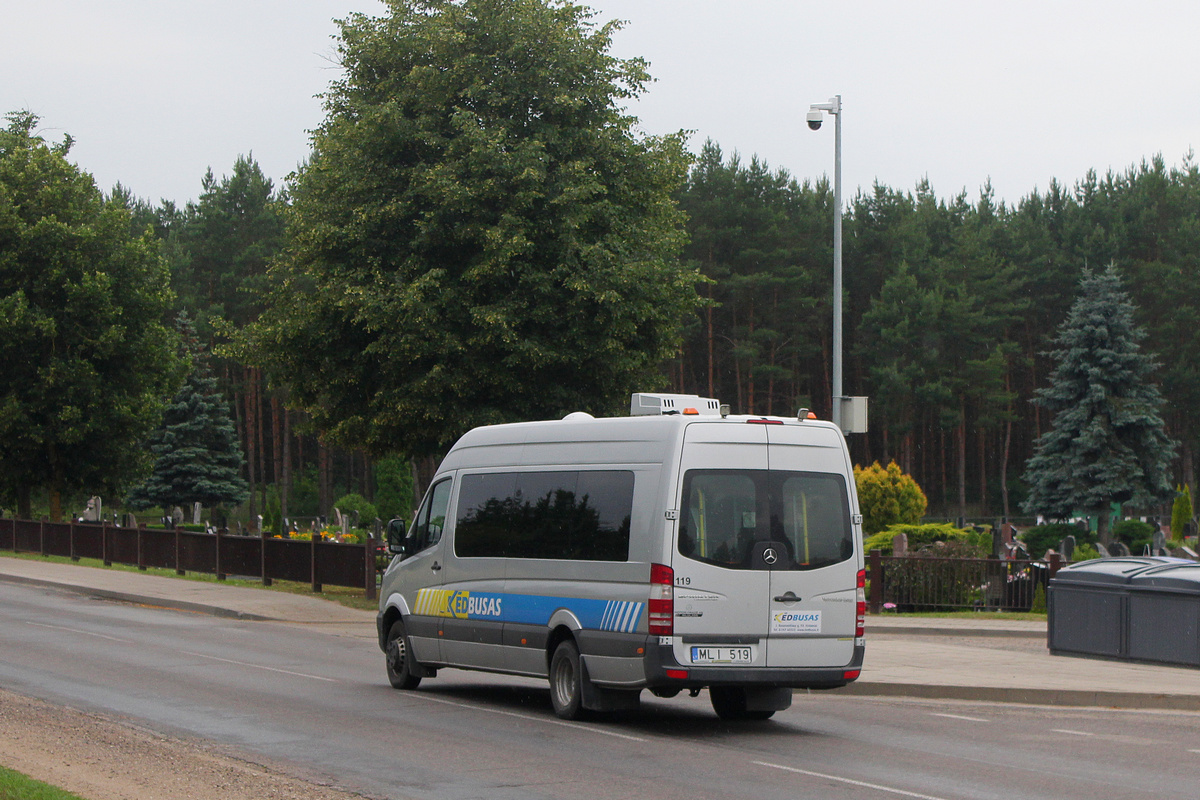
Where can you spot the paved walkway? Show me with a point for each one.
(969, 659)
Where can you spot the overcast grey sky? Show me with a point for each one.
(156, 91)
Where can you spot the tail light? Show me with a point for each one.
(661, 607)
(860, 605)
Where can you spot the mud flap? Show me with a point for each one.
(596, 698)
(768, 699)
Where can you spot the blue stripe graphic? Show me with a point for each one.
(621, 616)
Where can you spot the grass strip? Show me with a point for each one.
(15, 786)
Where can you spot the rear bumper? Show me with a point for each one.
(660, 658)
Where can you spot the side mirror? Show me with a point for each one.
(397, 531)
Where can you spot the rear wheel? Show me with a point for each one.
(399, 658)
(730, 703)
(566, 681)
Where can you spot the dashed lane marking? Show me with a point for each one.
(959, 716)
(850, 781)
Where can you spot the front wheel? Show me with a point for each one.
(399, 658)
(566, 681)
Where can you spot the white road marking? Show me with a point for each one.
(530, 717)
(849, 781)
(186, 652)
(959, 716)
(260, 666)
(1070, 732)
(76, 630)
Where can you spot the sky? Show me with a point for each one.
(156, 92)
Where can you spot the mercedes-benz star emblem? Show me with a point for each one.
(770, 556)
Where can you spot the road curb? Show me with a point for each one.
(144, 600)
(920, 630)
(1025, 695)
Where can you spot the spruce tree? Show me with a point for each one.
(1107, 441)
(197, 454)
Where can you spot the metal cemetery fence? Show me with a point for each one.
(315, 562)
(925, 583)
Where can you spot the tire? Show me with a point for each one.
(398, 657)
(566, 681)
(730, 704)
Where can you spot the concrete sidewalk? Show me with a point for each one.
(976, 659)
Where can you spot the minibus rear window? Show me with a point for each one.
(578, 515)
(725, 512)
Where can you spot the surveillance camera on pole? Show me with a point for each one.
(815, 115)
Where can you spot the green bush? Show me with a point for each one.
(1039, 600)
(1181, 511)
(350, 503)
(1136, 535)
(886, 496)
(925, 535)
(393, 488)
(273, 513)
(304, 497)
(1041, 538)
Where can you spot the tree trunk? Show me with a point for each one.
(750, 367)
(285, 476)
(324, 501)
(1185, 457)
(708, 311)
(24, 503)
(983, 501)
(1104, 527)
(55, 505)
(961, 436)
(259, 424)
(942, 467)
(1004, 466)
(276, 442)
(368, 477)
(251, 455)
(424, 469)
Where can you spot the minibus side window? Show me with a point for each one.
(603, 532)
(573, 515)
(427, 530)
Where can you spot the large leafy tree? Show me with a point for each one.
(479, 235)
(86, 359)
(1107, 442)
(197, 455)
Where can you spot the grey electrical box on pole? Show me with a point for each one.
(853, 417)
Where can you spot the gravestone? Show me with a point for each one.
(196, 513)
(900, 544)
(1120, 550)
(1102, 550)
(177, 515)
(1158, 543)
(94, 510)
(1067, 547)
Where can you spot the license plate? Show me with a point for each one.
(722, 655)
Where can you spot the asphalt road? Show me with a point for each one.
(316, 696)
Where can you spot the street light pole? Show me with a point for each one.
(834, 107)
